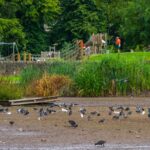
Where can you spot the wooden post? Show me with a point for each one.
(24, 57)
(81, 48)
(113, 87)
(18, 57)
(29, 56)
(13, 55)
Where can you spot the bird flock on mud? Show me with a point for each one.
(117, 112)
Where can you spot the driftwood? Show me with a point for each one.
(33, 100)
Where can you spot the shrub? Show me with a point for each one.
(50, 85)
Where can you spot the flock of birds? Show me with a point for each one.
(117, 112)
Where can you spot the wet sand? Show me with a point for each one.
(54, 132)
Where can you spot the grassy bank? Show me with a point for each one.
(101, 75)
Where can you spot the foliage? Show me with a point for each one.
(25, 21)
(29, 17)
(113, 76)
(11, 31)
(135, 32)
(100, 75)
(78, 20)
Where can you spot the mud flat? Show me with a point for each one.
(54, 132)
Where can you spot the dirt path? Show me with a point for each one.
(54, 132)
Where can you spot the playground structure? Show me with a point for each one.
(98, 43)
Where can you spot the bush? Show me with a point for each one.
(50, 85)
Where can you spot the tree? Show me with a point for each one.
(78, 20)
(136, 23)
(31, 16)
(11, 31)
(129, 19)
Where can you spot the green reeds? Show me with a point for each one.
(116, 76)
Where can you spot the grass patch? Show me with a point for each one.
(10, 91)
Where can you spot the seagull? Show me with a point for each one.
(102, 120)
(116, 117)
(101, 142)
(93, 112)
(138, 109)
(70, 112)
(116, 112)
(143, 111)
(64, 110)
(70, 106)
(23, 111)
(43, 112)
(52, 104)
(89, 118)
(126, 108)
(4, 110)
(73, 123)
(82, 112)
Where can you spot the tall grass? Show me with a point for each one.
(63, 68)
(30, 73)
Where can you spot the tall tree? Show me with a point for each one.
(78, 20)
